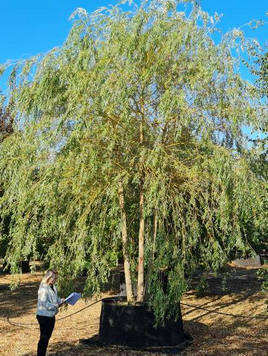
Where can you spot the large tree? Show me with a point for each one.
(260, 165)
(132, 146)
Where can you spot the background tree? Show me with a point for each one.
(135, 126)
(259, 164)
(6, 129)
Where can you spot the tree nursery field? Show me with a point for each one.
(213, 333)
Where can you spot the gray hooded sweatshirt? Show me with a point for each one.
(48, 301)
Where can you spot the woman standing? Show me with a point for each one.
(47, 307)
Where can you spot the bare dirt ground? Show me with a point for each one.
(214, 334)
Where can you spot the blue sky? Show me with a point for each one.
(28, 27)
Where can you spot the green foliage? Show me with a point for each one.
(202, 286)
(262, 73)
(263, 277)
(80, 109)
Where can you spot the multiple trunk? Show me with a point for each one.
(140, 283)
(129, 289)
(140, 286)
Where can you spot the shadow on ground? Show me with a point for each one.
(10, 304)
(234, 280)
(94, 349)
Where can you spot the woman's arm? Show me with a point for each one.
(60, 300)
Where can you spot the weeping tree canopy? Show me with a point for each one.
(130, 144)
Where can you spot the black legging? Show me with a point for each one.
(46, 327)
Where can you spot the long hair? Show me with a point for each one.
(49, 274)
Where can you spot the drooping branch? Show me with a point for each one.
(6, 123)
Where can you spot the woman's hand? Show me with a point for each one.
(62, 301)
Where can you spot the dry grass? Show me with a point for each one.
(214, 334)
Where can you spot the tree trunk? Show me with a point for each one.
(140, 285)
(129, 290)
(155, 233)
(151, 262)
